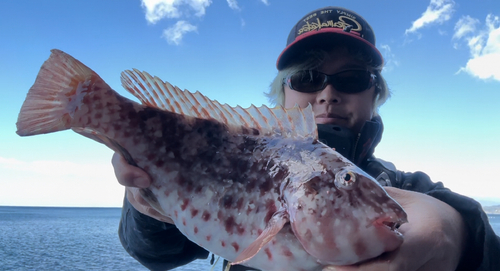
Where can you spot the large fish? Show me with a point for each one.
(254, 186)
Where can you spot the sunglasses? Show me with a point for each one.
(350, 81)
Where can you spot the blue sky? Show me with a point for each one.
(442, 66)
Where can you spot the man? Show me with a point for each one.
(331, 62)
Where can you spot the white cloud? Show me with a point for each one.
(438, 11)
(174, 34)
(182, 10)
(233, 4)
(58, 183)
(54, 168)
(484, 46)
(389, 58)
(464, 26)
(159, 9)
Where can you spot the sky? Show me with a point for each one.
(442, 67)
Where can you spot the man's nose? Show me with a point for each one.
(328, 95)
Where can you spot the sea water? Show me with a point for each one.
(45, 238)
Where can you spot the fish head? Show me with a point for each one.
(342, 215)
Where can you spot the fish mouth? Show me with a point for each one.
(391, 224)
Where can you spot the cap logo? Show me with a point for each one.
(328, 26)
(343, 22)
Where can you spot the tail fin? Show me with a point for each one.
(56, 94)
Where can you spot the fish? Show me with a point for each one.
(252, 185)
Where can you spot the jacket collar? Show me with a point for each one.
(367, 140)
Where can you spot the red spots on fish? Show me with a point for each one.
(227, 201)
(240, 229)
(184, 221)
(287, 252)
(222, 243)
(185, 203)
(195, 230)
(231, 226)
(194, 212)
(236, 246)
(167, 192)
(255, 132)
(209, 237)
(159, 163)
(117, 126)
(151, 156)
(360, 248)
(365, 185)
(266, 186)
(176, 214)
(98, 115)
(205, 216)
(131, 115)
(135, 140)
(259, 231)
(188, 185)
(230, 223)
(98, 105)
(268, 253)
(337, 193)
(271, 209)
(245, 130)
(95, 98)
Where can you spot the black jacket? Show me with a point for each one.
(161, 246)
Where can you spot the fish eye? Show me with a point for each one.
(345, 179)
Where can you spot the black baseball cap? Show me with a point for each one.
(326, 26)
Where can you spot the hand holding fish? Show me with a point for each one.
(435, 237)
(129, 176)
(134, 178)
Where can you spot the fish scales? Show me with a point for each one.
(264, 195)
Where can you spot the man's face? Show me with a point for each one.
(331, 106)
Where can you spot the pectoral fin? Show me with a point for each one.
(275, 224)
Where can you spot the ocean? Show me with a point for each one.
(54, 238)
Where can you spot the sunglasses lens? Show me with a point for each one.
(352, 81)
(307, 81)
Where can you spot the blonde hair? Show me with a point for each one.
(312, 59)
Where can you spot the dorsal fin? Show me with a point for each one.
(153, 92)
